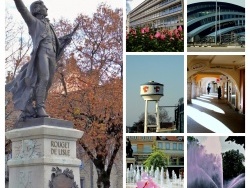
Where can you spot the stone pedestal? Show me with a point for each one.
(130, 161)
(43, 154)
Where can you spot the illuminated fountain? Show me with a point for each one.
(238, 182)
(159, 176)
(205, 166)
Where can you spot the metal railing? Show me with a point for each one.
(223, 40)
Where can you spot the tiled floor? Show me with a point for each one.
(209, 114)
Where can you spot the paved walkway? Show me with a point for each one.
(209, 114)
(215, 49)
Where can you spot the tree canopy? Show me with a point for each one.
(139, 125)
(88, 89)
(233, 164)
(156, 159)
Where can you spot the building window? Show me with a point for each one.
(82, 182)
(132, 137)
(168, 146)
(180, 146)
(147, 149)
(134, 148)
(174, 146)
(160, 145)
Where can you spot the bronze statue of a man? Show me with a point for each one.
(30, 87)
(129, 150)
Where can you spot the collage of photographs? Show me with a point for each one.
(124, 94)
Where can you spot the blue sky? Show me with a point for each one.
(164, 69)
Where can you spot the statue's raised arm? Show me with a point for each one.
(26, 14)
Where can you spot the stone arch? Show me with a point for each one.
(204, 84)
(232, 75)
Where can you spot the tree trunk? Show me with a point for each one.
(103, 179)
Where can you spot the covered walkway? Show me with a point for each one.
(207, 114)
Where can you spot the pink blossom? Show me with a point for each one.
(151, 36)
(180, 28)
(170, 32)
(146, 29)
(177, 34)
(163, 36)
(142, 30)
(133, 32)
(157, 35)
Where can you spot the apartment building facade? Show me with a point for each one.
(172, 146)
(157, 14)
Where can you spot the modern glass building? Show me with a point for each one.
(205, 20)
(166, 14)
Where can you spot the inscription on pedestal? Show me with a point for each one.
(60, 148)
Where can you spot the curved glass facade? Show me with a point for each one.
(202, 18)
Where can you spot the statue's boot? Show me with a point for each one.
(40, 112)
(40, 100)
(29, 112)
